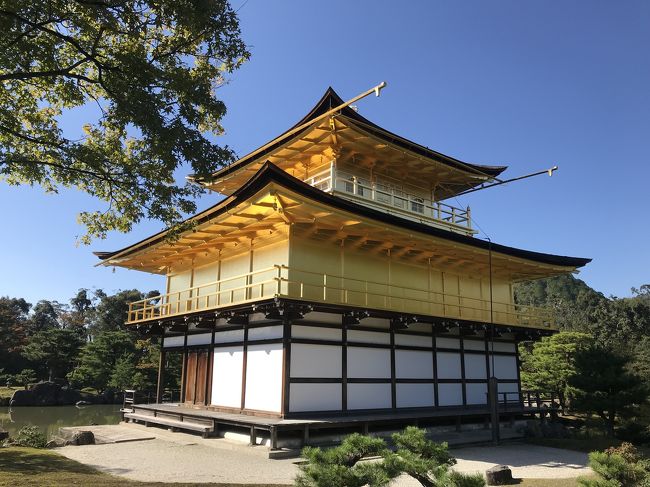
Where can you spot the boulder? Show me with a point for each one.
(46, 393)
(56, 442)
(68, 396)
(73, 436)
(22, 397)
(499, 475)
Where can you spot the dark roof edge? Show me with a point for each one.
(271, 173)
(330, 100)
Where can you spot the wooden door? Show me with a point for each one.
(201, 377)
(196, 377)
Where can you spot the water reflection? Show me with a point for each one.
(49, 419)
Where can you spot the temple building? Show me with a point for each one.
(334, 280)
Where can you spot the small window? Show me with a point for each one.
(417, 205)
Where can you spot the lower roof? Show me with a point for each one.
(271, 174)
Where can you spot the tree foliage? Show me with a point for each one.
(98, 359)
(343, 466)
(618, 467)
(603, 385)
(55, 348)
(147, 74)
(549, 364)
(84, 341)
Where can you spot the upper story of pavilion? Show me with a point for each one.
(340, 213)
(338, 151)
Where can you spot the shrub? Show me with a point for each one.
(29, 436)
(426, 461)
(621, 466)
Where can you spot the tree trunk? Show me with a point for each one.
(611, 421)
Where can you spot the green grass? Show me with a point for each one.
(550, 482)
(29, 466)
(585, 445)
(7, 392)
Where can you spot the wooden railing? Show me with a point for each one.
(391, 200)
(532, 399)
(283, 281)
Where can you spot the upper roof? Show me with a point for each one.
(448, 175)
(273, 180)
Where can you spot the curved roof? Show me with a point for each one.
(269, 173)
(476, 174)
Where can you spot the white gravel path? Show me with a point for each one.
(179, 457)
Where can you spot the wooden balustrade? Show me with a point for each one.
(394, 201)
(283, 281)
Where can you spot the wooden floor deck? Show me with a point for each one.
(206, 421)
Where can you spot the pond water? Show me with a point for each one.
(50, 419)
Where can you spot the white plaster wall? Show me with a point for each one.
(475, 367)
(448, 365)
(369, 396)
(473, 345)
(368, 363)
(315, 397)
(264, 377)
(411, 364)
(227, 376)
(317, 316)
(176, 341)
(443, 342)
(201, 339)
(450, 394)
(476, 393)
(368, 337)
(509, 387)
(265, 333)
(312, 332)
(505, 367)
(503, 347)
(414, 395)
(412, 340)
(229, 336)
(315, 361)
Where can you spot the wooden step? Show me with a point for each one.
(172, 423)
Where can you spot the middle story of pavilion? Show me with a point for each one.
(332, 278)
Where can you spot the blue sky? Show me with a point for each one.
(526, 84)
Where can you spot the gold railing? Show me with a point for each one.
(282, 281)
(391, 200)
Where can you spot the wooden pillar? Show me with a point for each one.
(243, 372)
(286, 363)
(273, 433)
(344, 366)
(161, 369)
(184, 372)
(393, 378)
(208, 374)
(493, 395)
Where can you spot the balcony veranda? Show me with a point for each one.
(284, 282)
(391, 200)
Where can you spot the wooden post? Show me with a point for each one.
(493, 388)
(184, 373)
(273, 432)
(161, 369)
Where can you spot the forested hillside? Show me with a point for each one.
(619, 324)
(83, 341)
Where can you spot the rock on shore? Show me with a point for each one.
(53, 394)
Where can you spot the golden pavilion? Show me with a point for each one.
(334, 280)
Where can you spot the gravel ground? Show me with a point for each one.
(178, 457)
